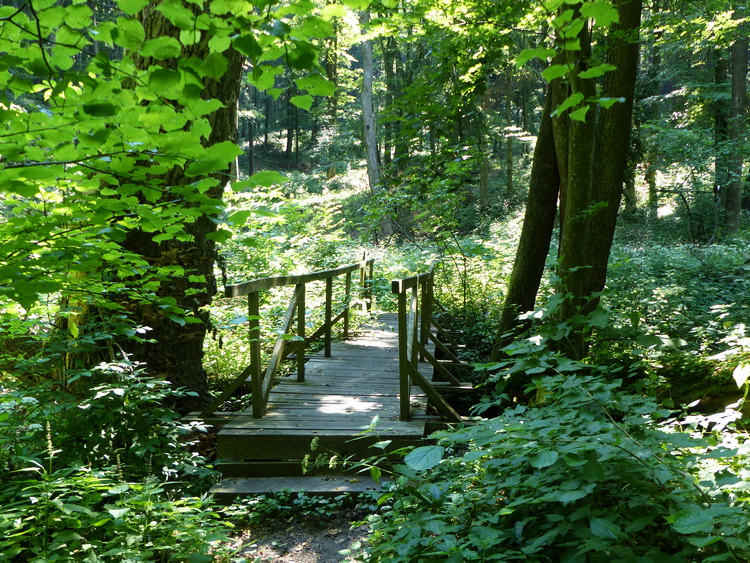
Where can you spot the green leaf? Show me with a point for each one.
(24, 189)
(597, 71)
(301, 57)
(424, 457)
(693, 521)
(609, 102)
(316, 85)
(569, 102)
(226, 151)
(118, 512)
(593, 470)
(219, 236)
(248, 46)
(267, 178)
(176, 319)
(741, 374)
(132, 7)
(639, 524)
(603, 13)
(206, 166)
(580, 114)
(164, 79)
(215, 65)
(570, 496)
(356, 4)
(526, 55)
(99, 109)
(605, 529)
(554, 71)
(544, 459)
(128, 33)
(162, 48)
(302, 102)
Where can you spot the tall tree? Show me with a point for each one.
(589, 145)
(368, 111)
(731, 199)
(177, 349)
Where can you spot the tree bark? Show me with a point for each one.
(587, 242)
(536, 233)
(368, 113)
(732, 197)
(177, 352)
(590, 166)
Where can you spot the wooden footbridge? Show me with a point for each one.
(384, 386)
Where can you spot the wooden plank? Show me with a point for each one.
(330, 485)
(246, 288)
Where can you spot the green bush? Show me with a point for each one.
(592, 474)
(102, 473)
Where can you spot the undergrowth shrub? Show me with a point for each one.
(591, 474)
(102, 473)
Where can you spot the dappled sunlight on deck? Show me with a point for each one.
(335, 404)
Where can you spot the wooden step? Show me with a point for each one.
(270, 468)
(245, 443)
(325, 485)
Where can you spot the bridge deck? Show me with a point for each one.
(338, 400)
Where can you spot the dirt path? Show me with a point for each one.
(305, 542)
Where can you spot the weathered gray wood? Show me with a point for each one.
(438, 366)
(256, 374)
(437, 399)
(337, 401)
(330, 485)
(278, 350)
(253, 286)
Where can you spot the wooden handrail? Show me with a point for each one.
(415, 306)
(262, 381)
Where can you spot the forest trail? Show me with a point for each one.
(354, 391)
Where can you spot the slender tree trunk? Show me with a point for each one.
(267, 120)
(732, 199)
(509, 137)
(590, 224)
(536, 234)
(721, 126)
(368, 112)
(251, 147)
(177, 352)
(289, 128)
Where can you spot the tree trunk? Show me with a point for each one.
(368, 112)
(509, 137)
(587, 242)
(536, 234)
(721, 126)
(732, 197)
(251, 147)
(590, 163)
(177, 352)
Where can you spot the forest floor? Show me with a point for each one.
(308, 540)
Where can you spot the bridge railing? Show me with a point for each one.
(262, 380)
(417, 327)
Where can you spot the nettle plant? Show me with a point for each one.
(591, 474)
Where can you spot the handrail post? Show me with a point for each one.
(404, 393)
(414, 335)
(256, 373)
(329, 305)
(347, 302)
(363, 282)
(368, 290)
(301, 332)
(426, 311)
